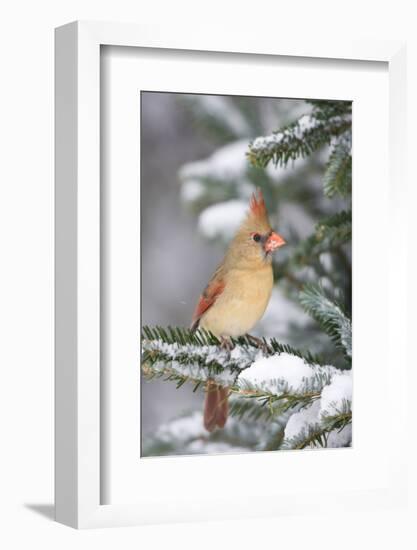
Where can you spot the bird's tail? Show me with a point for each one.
(216, 406)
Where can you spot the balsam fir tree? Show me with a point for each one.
(294, 391)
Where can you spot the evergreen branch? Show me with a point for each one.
(299, 139)
(337, 421)
(274, 440)
(159, 365)
(330, 315)
(246, 407)
(202, 347)
(316, 435)
(336, 220)
(178, 335)
(328, 237)
(277, 348)
(248, 401)
(181, 356)
(325, 109)
(338, 175)
(257, 404)
(311, 436)
(273, 426)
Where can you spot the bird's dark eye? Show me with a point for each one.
(256, 237)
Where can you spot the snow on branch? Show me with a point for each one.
(307, 403)
(305, 430)
(327, 422)
(286, 373)
(181, 356)
(330, 315)
(299, 139)
(280, 383)
(337, 396)
(197, 356)
(194, 363)
(271, 382)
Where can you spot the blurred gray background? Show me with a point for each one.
(176, 261)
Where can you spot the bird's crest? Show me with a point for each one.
(257, 205)
(257, 215)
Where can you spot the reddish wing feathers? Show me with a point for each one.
(207, 299)
(215, 405)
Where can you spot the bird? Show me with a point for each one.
(237, 295)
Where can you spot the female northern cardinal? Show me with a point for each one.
(237, 294)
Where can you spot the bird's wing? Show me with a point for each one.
(212, 291)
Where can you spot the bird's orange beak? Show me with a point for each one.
(273, 242)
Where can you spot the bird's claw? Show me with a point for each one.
(261, 344)
(227, 344)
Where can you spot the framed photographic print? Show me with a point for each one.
(223, 211)
(244, 187)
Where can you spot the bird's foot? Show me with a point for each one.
(261, 344)
(226, 344)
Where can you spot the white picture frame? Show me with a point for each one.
(78, 404)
